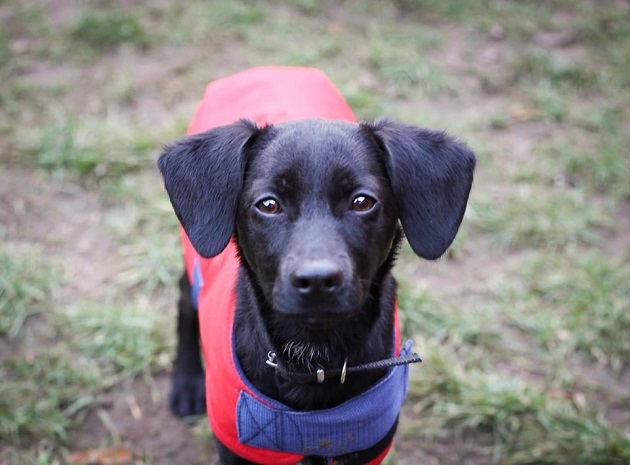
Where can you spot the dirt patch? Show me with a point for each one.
(64, 222)
(136, 417)
(617, 237)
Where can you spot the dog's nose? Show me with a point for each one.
(317, 279)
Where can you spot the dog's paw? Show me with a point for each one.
(188, 395)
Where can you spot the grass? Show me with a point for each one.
(364, 102)
(91, 148)
(531, 296)
(25, 289)
(398, 60)
(196, 22)
(444, 9)
(527, 424)
(579, 302)
(537, 216)
(105, 29)
(424, 314)
(41, 391)
(46, 386)
(124, 340)
(558, 70)
(5, 51)
(606, 166)
(150, 265)
(41, 396)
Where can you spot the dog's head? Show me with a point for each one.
(315, 204)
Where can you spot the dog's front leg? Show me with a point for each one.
(188, 392)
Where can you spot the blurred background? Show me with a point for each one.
(524, 325)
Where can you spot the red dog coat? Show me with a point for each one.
(267, 96)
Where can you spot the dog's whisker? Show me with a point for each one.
(305, 354)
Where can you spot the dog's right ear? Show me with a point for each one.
(203, 175)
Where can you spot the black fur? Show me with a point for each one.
(188, 393)
(315, 283)
(431, 175)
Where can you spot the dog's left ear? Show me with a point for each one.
(431, 176)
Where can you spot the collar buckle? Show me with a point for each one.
(344, 371)
(271, 359)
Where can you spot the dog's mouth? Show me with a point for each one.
(324, 321)
(317, 313)
(320, 320)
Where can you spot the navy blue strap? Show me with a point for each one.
(355, 425)
(197, 284)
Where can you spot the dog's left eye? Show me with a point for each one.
(269, 206)
(363, 203)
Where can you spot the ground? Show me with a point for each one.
(522, 325)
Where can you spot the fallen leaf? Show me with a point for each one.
(577, 398)
(134, 408)
(113, 456)
(523, 114)
(554, 39)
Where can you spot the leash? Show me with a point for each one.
(320, 375)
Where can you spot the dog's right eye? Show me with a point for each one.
(363, 203)
(268, 206)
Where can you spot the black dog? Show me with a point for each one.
(297, 307)
(314, 207)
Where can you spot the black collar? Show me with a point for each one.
(320, 375)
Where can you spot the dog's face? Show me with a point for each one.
(315, 204)
(316, 218)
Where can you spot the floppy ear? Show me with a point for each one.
(203, 175)
(431, 176)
